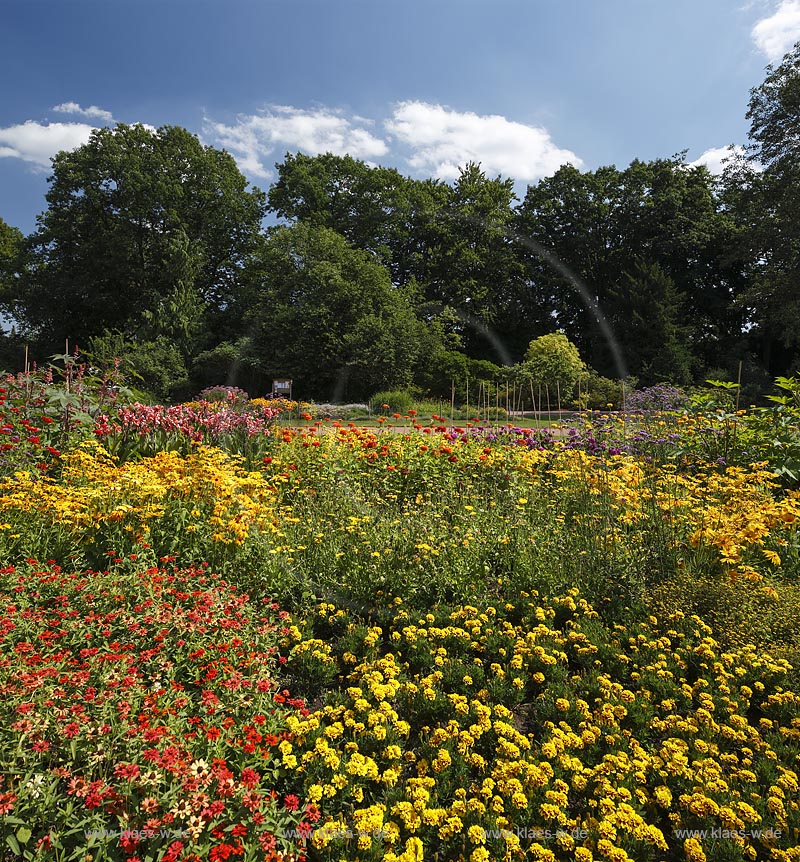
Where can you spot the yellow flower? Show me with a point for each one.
(476, 835)
(694, 850)
(663, 796)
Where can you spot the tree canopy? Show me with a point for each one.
(763, 193)
(327, 315)
(155, 244)
(146, 231)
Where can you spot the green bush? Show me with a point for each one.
(598, 392)
(156, 365)
(398, 401)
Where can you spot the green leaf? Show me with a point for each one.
(23, 834)
(13, 821)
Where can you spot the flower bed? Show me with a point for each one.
(141, 717)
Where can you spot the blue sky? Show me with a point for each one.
(423, 85)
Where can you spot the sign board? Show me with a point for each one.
(282, 388)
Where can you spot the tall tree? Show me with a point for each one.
(764, 190)
(472, 265)
(328, 316)
(582, 231)
(650, 319)
(374, 208)
(11, 241)
(452, 243)
(145, 232)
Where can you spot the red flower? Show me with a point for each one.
(126, 770)
(173, 851)
(291, 802)
(250, 778)
(214, 810)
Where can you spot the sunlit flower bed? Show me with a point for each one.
(534, 731)
(483, 626)
(140, 716)
(199, 505)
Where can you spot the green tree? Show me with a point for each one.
(11, 241)
(452, 243)
(154, 366)
(650, 321)
(763, 190)
(579, 231)
(376, 209)
(328, 316)
(553, 362)
(472, 266)
(146, 232)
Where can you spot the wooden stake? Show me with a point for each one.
(739, 386)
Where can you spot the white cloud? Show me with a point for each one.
(254, 138)
(92, 112)
(776, 34)
(713, 158)
(442, 140)
(39, 142)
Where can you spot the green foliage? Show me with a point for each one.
(145, 232)
(603, 393)
(231, 362)
(397, 401)
(761, 192)
(581, 232)
(654, 335)
(553, 362)
(156, 366)
(450, 241)
(11, 241)
(328, 316)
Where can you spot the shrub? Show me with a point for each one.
(157, 365)
(397, 401)
(598, 392)
(553, 361)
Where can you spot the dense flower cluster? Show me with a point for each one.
(532, 731)
(144, 429)
(141, 716)
(42, 411)
(203, 499)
